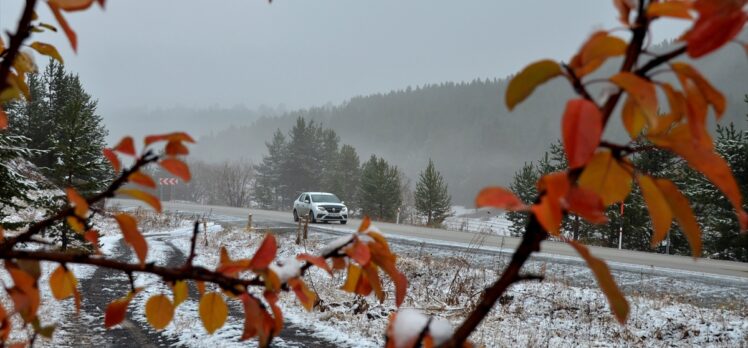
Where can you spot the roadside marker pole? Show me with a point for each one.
(620, 230)
(249, 222)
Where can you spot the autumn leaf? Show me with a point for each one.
(535, 74)
(593, 53)
(142, 179)
(176, 136)
(499, 197)
(633, 118)
(586, 204)
(142, 196)
(176, 167)
(359, 252)
(624, 10)
(315, 260)
(213, 311)
(159, 311)
(365, 223)
(718, 23)
(549, 211)
(265, 253)
(92, 236)
(126, 146)
(113, 159)
(72, 5)
(62, 283)
(713, 96)
(674, 9)
(72, 37)
(642, 91)
(3, 119)
(116, 310)
(618, 303)
(132, 235)
(75, 224)
(180, 292)
(79, 204)
(605, 176)
(354, 274)
(683, 214)
(47, 50)
(305, 296)
(582, 127)
(176, 148)
(659, 210)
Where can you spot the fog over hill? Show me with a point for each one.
(464, 127)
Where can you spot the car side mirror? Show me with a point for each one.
(306, 201)
(342, 202)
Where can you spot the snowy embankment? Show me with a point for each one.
(477, 220)
(557, 312)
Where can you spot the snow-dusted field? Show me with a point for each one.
(566, 309)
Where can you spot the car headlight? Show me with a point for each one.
(321, 209)
(345, 209)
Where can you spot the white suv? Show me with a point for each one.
(320, 206)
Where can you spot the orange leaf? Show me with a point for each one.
(175, 148)
(64, 24)
(315, 260)
(92, 236)
(113, 160)
(372, 275)
(659, 210)
(365, 223)
(586, 204)
(79, 203)
(73, 5)
(359, 252)
(129, 227)
(272, 300)
(126, 146)
(633, 118)
(642, 91)
(305, 296)
(535, 74)
(582, 127)
(601, 47)
(256, 320)
(338, 263)
(264, 254)
(200, 287)
(76, 224)
(176, 167)
(618, 303)
(624, 9)
(605, 176)
(142, 179)
(354, 274)
(715, 26)
(142, 196)
(159, 311)
(177, 136)
(499, 197)
(683, 214)
(213, 311)
(5, 326)
(710, 94)
(549, 214)
(116, 310)
(674, 9)
(62, 283)
(180, 292)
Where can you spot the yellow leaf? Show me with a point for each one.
(711, 94)
(633, 118)
(47, 50)
(180, 292)
(642, 91)
(618, 303)
(601, 47)
(605, 176)
(659, 210)
(683, 214)
(213, 311)
(535, 74)
(76, 224)
(159, 311)
(62, 283)
(674, 9)
(354, 273)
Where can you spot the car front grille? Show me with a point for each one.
(333, 209)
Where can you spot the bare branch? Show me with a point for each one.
(16, 41)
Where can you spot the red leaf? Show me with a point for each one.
(586, 204)
(264, 254)
(176, 167)
(177, 136)
(116, 310)
(113, 160)
(3, 119)
(305, 296)
(175, 148)
(718, 23)
(582, 126)
(499, 197)
(126, 146)
(79, 203)
(92, 236)
(142, 179)
(315, 260)
(129, 227)
(359, 252)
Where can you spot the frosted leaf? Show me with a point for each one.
(407, 327)
(441, 330)
(286, 269)
(335, 244)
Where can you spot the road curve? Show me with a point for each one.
(550, 248)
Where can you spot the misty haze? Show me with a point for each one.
(193, 173)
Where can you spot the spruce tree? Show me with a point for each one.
(346, 176)
(15, 187)
(379, 191)
(432, 199)
(269, 185)
(523, 185)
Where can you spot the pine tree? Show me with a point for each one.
(15, 186)
(329, 143)
(301, 169)
(346, 176)
(523, 185)
(379, 190)
(432, 198)
(269, 185)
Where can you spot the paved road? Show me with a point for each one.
(713, 268)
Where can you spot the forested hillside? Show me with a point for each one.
(464, 127)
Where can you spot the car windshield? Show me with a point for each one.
(325, 199)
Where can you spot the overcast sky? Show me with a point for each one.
(300, 53)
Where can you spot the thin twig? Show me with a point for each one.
(195, 230)
(16, 41)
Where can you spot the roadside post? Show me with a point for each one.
(620, 230)
(249, 223)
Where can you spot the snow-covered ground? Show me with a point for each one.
(567, 309)
(477, 220)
